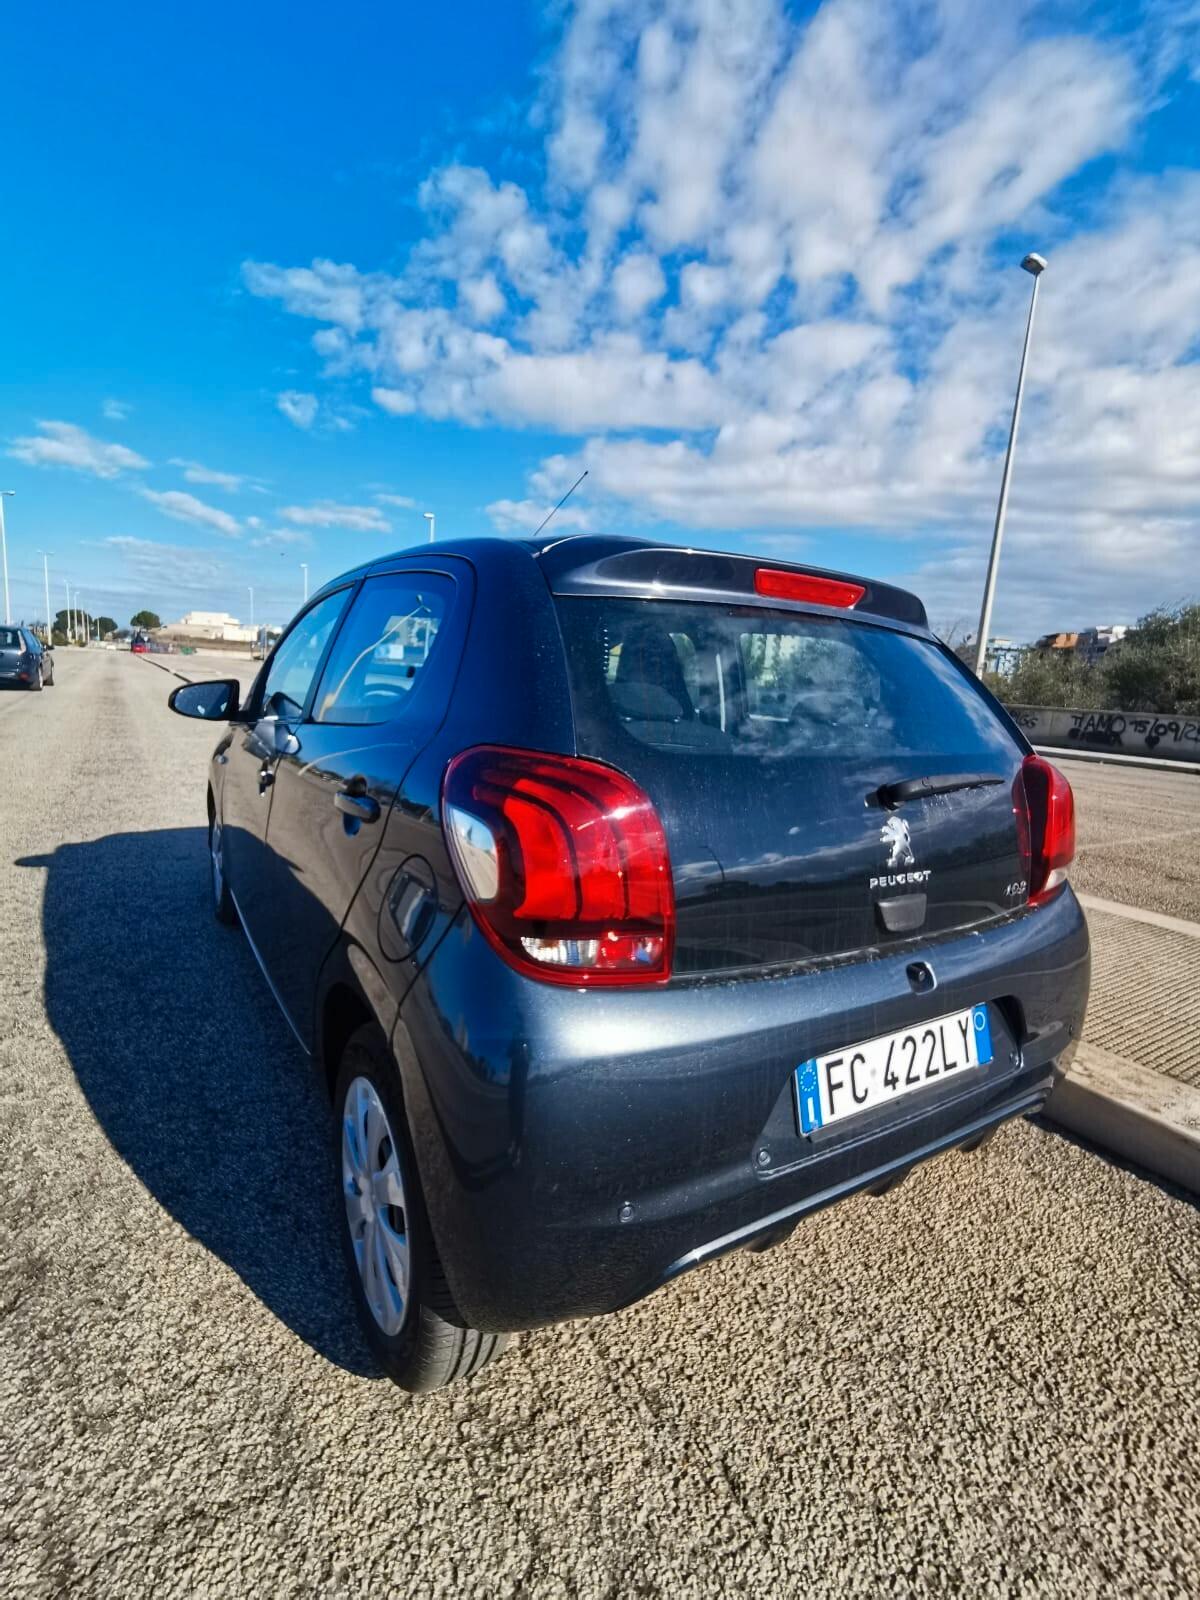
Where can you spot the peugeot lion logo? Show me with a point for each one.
(894, 836)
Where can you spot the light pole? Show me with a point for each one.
(1036, 265)
(251, 610)
(70, 629)
(4, 493)
(428, 515)
(45, 555)
(304, 570)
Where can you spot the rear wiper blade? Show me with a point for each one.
(894, 794)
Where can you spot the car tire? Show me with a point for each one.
(413, 1325)
(36, 688)
(223, 905)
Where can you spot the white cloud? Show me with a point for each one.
(282, 539)
(526, 516)
(300, 409)
(62, 444)
(186, 508)
(637, 282)
(402, 502)
(116, 410)
(194, 472)
(166, 566)
(394, 401)
(328, 514)
(771, 281)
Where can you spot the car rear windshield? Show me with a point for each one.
(744, 681)
(10, 639)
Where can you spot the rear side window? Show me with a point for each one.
(10, 639)
(384, 650)
(742, 681)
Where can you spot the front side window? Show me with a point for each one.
(385, 649)
(294, 665)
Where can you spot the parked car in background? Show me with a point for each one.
(25, 662)
(635, 903)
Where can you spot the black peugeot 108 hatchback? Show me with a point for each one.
(635, 903)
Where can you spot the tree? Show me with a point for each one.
(1156, 667)
(104, 624)
(144, 619)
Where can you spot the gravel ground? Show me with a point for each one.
(1139, 836)
(986, 1381)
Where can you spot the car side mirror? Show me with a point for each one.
(214, 699)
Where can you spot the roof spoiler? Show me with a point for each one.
(606, 566)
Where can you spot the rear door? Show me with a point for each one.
(383, 690)
(777, 747)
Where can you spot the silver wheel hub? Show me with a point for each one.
(376, 1212)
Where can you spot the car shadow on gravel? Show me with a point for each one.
(193, 1073)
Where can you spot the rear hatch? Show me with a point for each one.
(12, 648)
(780, 745)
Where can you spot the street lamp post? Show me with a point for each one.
(45, 555)
(304, 570)
(70, 630)
(1036, 265)
(4, 494)
(428, 515)
(251, 610)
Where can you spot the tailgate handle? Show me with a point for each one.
(353, 799)
(905, 914)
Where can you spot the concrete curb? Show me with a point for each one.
(1138, 1114)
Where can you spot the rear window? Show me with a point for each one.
(742, 681)
(10, 639)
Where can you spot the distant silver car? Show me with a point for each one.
(25, 662)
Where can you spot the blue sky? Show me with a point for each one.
(275, 284)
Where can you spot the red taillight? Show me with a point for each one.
(564, 865)
(779, 585)
(1045, 810)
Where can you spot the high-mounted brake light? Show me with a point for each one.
(780, 585)
(564, 864)
(1045, 812)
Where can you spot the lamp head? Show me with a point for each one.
(1034, 263)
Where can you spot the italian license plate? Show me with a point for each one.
(848, 1082)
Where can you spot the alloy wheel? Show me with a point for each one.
(376, 1213)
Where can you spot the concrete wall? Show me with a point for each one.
(1134, 733)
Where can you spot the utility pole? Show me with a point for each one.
(1036, 265)
(45, 555)
(5, 494)
(304, 570)
(428, 515)
(70, 629)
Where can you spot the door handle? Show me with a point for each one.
(356, 804)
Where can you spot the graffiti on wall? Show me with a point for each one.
(1137, 733)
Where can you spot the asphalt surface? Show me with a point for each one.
(986, 1381)
(1138, 836)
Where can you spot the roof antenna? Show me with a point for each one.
(562, 502)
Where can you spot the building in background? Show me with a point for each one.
(213, 625)
(1002, 657)
(1094, 643)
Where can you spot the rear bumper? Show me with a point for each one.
(580, 1149)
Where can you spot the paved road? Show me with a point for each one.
(987, 1380)
(1139, 836)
